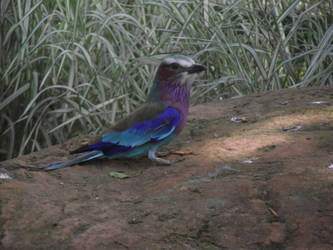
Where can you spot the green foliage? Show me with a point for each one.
(70, 67)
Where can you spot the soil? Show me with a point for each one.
(257, 174)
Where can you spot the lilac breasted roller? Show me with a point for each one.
(157, 122)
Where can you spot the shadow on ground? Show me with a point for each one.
(261, 183)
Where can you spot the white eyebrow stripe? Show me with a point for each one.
(182, 62)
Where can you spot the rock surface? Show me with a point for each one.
(261, 181)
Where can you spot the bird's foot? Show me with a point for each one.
(163, 153)
(167, 162)
(178, 159)
(152, 156)
(167, 153)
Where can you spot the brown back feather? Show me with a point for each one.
(146, 112)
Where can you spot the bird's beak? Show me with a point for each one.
(196, 68)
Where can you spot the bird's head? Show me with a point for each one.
(178, 69)
(173, 79)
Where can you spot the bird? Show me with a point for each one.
(154, 124)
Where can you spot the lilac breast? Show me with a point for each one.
(176, 95)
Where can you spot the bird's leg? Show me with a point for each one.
(152, 156)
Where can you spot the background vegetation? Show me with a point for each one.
(72, 66)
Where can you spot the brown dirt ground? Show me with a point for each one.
(212, 200)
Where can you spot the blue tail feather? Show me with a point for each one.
(97, 146)
(83, 158)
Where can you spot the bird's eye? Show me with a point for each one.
(174, 66)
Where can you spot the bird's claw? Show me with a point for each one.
(163, 153)
(171, 152)
(153, 157)
(178, 159)
(165, 162)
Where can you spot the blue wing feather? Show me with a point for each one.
(140, 133)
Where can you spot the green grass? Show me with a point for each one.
(70, 67)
